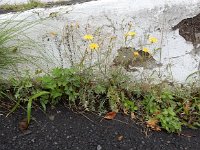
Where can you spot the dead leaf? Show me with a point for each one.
(156, 113)
(133, 115)
(120, 137)
(23, 124)
(157, 128)
(152, 123)
(125, 111)
(187, 107)
(110, 115)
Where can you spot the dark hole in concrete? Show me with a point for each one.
(189, 29)
(126, 59)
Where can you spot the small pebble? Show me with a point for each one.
(99, 147)
(55, 143)
(14, 138)
(52, 117)
(68, 137)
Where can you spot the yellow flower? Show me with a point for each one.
(93, 46)
(153, 40)
(131, 33)
(88, 37)
(145, 49)
(136, 54)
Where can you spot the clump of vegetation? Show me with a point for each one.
(158, 107)
(22, 7)
(91, 84)
(9, 46)
(13, 43)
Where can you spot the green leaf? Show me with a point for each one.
(30, 103)
(43, 105)
(29, 110)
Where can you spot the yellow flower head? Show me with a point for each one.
(153, 40)
(145, 49)
(131, 33)
(88, 37)
(136, 54)
(93, 46)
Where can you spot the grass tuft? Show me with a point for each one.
(22, 7)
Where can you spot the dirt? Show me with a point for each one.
(189, 29)
(61, 129)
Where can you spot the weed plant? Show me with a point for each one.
(90, 83)
(8, 53)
